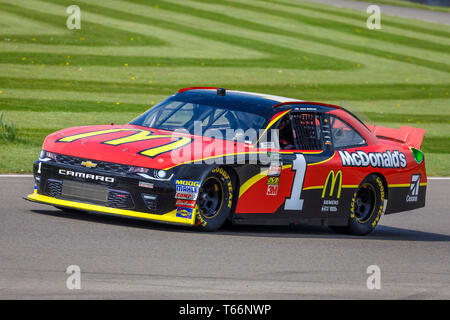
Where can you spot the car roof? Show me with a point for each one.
(257, 103)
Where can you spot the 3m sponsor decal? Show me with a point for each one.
(185, 203)
(272, 186)
(388, 159)
(86, 176)
(333, 184)
(413, 195)
(272, 190)
(184, 212)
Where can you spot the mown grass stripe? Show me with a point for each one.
(259, 27)
(421, 27)
(99, 35)
(37, 105)
(290, 56)
(283, 57)
(312, 92)
(339, 26)
(405, 118)
(436, 144)
(58, 59)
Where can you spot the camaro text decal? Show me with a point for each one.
(85, 175)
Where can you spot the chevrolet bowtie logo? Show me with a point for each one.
(88, 164)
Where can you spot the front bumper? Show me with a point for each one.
(123, 195)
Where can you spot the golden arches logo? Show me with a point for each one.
(138, 135)
(334, 178)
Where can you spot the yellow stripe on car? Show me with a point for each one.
(92, 134)
(167, 217)
(250, 182)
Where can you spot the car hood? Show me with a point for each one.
(138, 146)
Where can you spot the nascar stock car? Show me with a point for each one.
(207, 155)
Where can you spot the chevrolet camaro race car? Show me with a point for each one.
(207, 155)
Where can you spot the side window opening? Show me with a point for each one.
(344, 136)
(301, 131)
(286, 134)
(307, 131)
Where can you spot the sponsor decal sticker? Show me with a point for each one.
(186, 189)
(187, 183)
(413, 195)
(267, 145)
(333, 183)
(145, 184)
(272, 190)
(272, 186)
(186, 195)
(185, 203)
(274, 171)
(274, 181)
(183, 212)
(388, 159)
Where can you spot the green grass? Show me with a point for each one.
(131, 54)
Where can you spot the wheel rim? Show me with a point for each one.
(210, 198)
(364, 203)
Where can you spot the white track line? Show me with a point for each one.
(16, 176)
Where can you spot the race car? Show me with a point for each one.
(207, 155)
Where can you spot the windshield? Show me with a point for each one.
(173, 115)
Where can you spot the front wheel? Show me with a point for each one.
(366, 207)
(214, 200)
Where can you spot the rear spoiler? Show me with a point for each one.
(409, 135)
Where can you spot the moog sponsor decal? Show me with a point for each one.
(186, 189)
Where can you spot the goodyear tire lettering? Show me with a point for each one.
(216, 221)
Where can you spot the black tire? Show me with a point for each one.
(215, 199)
(366, 208)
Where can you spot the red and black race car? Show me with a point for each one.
(207, 155)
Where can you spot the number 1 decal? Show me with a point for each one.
(294, 202)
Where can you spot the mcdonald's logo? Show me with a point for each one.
(334, 178)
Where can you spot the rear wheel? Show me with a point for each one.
(214, 200)
(366, 207)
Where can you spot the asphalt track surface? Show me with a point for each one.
(413, 13)
(129, 259)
